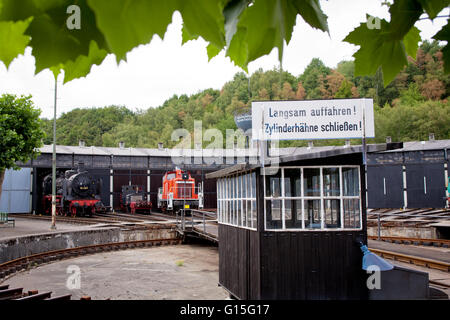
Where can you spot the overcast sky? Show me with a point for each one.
(157, 71)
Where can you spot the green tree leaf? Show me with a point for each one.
(82, 65)
(404, 14)
(186, 36)
(433, 7)
(129, 23)
(312, 13)
(444, 35)
(411, 42)
(52, 41)
(232, 12)
(268, 24)
(204, 18)
(379, 49)
(12, 33)
(212, 51)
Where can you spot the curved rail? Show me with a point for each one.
(418, 261)
(415, 241)
(10, 267)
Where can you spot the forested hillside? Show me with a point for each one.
(409, 108)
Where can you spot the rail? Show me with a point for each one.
(418, 261)
(24, 263)
(18, 294)
(415, 241)
(189, 224)
(404, 215)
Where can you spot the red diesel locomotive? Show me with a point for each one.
(179, 191)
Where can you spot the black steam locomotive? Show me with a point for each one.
(77, 193)
(133, 199)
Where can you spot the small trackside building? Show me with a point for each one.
(290, 230)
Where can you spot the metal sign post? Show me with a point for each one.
(53, 226)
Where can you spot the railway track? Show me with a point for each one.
(74, 220)
(415, 241)
(418, 261)
(10, 267)
(136, 216)
(95, 219)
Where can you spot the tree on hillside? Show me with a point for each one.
(20, 132)
(300, 94)
(287, 93)
(347, 68)
(311, 80)
(345, 90)
(330, 85)
(433, 89)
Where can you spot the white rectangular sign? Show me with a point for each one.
(312, 119)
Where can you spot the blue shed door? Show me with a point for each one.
(16, 197)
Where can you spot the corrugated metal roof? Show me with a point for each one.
(423, 145)
(107, 151)
(139, 152)
(297, 154)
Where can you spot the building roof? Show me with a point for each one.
(164, 152)
(423, 145)
(304, 153)
(143, 152)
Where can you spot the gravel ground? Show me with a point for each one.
(168, 272)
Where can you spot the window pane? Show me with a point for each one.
(239, 186)
(351, 213)
(292, 186)
(243, 213)
(332, 209)
(350, 179)
(331, 185)
(312, 182)
(231, 211)
(249, 213)
(254, 214)
(244, 186)
(239, 212)
(273, 187)
(222, 210)
(249, 185)
(253, 184)
(232, 189)
(218, 189)
(223, 188)
(228, 208)
(273, 214)
(293, 211)
(312, 214)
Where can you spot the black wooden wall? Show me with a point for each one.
(307, 265)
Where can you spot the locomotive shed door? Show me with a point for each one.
(16, 192)
(385, 186)
(425, 185)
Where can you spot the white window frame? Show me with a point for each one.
(322, 198)
(230, 198)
